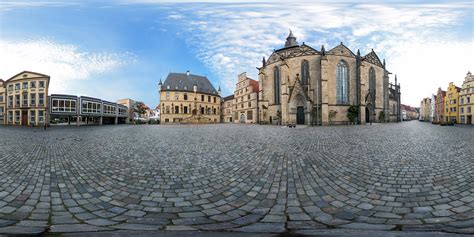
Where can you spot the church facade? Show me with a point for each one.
(301, 85)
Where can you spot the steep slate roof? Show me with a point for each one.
(183, 82)
(230, 97)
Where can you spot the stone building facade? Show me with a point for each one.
(228, 109)
(301, 85)
(246, 100)
(466, 100)
(425, 109)
(439, 106)
(451, 102)
(25, 97)
(189, 98)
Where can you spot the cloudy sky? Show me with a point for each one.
(118, 49)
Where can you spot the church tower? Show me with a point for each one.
(290, 40)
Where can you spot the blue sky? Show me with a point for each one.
(120, 49)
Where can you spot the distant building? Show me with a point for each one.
(451, 101)
(466, 100)
(189, 98)
(228, 109)
(24, 99)
(83, 110)
(246, 100)
(408, 112)
(439, 106)
(129, 104)
(425, 109)
(433, 108)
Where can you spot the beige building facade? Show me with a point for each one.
(246, 100)
(228, 109)
(129, 103)
(189, 98)
(26, 99)
(466, 100)
(301, 85)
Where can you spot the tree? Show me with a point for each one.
(140, 108)
(352, 113)
(382, 116)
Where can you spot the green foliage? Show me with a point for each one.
(352, 113)
(382, 116)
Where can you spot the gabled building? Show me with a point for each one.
(301, 85)
(246, 100)
(451, 101)
(189, 98)
(466, 100)
(439, 106)
(25, 97)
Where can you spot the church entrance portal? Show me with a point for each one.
(300, 115)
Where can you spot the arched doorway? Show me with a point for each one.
(242, 118)
(300, 115)
(367, 115)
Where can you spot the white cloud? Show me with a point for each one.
(233, 38)
(64, 63)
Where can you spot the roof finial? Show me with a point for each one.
(290, 40)
(384, 63)
(160, 83)
(323, 50)
(358, 52)
(263, 61)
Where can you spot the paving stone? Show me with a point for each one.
(262, 228)
(365, 226)
(305, 179)
(70, 228)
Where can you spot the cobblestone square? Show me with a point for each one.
(409, 176)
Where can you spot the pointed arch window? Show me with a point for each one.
(305, 73)
(372, 82)
(342, 83)
(276, 85)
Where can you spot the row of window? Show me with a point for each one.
(23, 100)
(242, 105)
(63, 105)
(24, 85)
(185, 97)
(184, 110)
(468, 110)
(109, 109)
(15, 117)
(342, 82)
(90, 107)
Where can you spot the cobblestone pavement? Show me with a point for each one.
(411, 176)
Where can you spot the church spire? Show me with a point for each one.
(290, 40)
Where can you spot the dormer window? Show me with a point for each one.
(185, 87)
